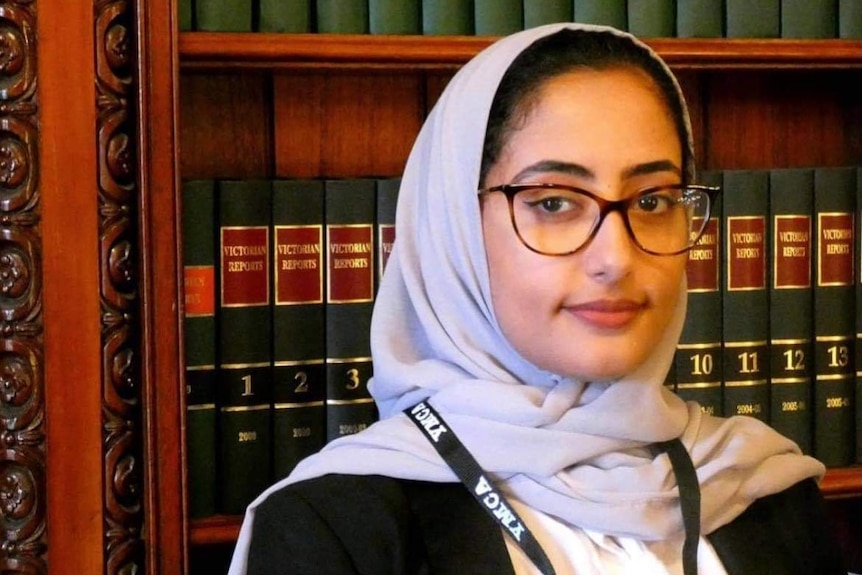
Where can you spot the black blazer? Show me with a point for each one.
(372, 525)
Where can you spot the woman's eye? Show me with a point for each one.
(553, 204)
(655, 203)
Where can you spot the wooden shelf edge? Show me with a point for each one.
(205, 50)
(224, 529)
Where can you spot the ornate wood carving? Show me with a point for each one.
(121, 370)
(22, 404)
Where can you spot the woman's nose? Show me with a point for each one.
(610, 253)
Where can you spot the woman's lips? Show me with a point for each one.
(606, 314)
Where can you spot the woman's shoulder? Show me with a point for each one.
(789, 532)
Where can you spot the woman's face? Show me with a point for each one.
(596, 314)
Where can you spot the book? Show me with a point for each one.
(809, 19)
(286, 16)
(858, 305)
(700, 18)
(652, 18)
(350, 206)
(539, 12)
(745, 311)
(849, 19)
(834, 320)
(498, 17)
(698, 358)
(298, 323)
(447, 17)
(752, 18)
(791, 350)
(199, 335)
(394, 17)
(604, 12)
(245, 342)
(223, 15)
(387, 200)
(342, 16)
(184, 15)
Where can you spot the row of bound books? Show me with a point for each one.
(279, 282)
(774, 323)
(646, 18)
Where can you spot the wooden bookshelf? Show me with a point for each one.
(754, 104)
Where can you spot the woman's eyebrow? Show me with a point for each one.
(575, 169)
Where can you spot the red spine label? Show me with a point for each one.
(835, 256)
(199, 291)
(244, 266)
(703, 265)
(350, 259)
(791, 259)
(298, 265)
(746, 253)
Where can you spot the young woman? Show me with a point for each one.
(521, 337)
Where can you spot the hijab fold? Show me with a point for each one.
(576, 450)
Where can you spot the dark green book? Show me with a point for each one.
(745, 310)
(850, 19)
(603, 12)
(834, 316)
(809, 19)
(299, 322)
(290, 16)
(350, 286)
(698, 359)
(700, 18)
(223, 15)
(752, 18)
(245, 342)
(539, 12)
(395, 17)
(498, 17)
(791, 350)
(447, 17)
(652, 18)
(342, 16)
(387, 200)
(184, 15)
(199, 334)
(858, 305)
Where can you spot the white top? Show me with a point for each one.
(574, 551)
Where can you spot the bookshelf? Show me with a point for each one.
(266, 105)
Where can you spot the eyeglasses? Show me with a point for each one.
(558, 220)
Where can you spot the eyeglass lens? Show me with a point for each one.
(560, 220)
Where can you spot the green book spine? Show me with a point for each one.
(223, 15)
(858, 306)
(447, 17)
(809, 19)
(849, 19)
(349, 214)
(387, 200)
(834, 316)
(245, 342)
(753, 18)
(652, 18)
(395, 17)
(184, 15)
(791, 350)
(604, 12)
(745, 311)
(498, 17)
(700, 18)
(290, 16)
(539, 12)
(199, 289)
(698, 357)
(299, 322)
(342, 16)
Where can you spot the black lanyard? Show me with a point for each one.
(471, 475)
